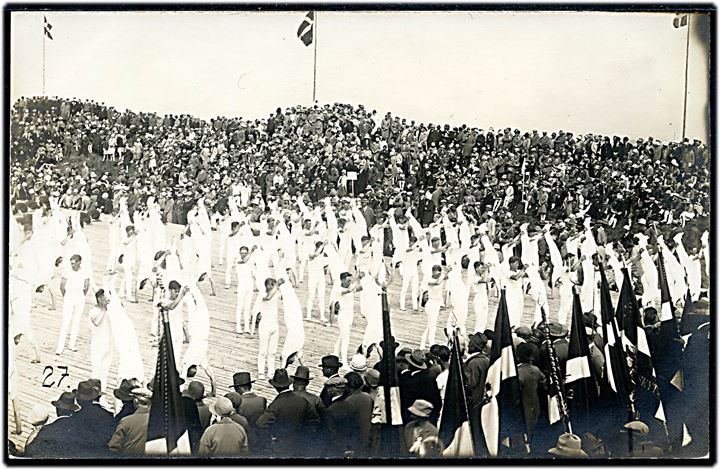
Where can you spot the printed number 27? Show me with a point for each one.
(48, 372)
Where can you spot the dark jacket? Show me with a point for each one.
(131, 433)
(283, 422)
(530, 378)
(476, 368)
(252, 407)
(419, 386)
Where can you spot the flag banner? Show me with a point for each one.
(461, 445)
(454, 414)
(502, 415)
(46, 28)
(615, 362)
(167, 431)
(680, 20)
(580, 382)
(642, 381)
(390, 390)
(305, 32)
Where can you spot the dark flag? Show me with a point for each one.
(305, 31)
(666, 347)
(455, 427)
(46, 28)
(388, 392)
(615, 362)
(642, 383)
(502, 417)
(680, 20)
(580, 383)
(615, 408)
(167, 431)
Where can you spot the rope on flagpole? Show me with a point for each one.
(315, 40)
(43, 58)
(687, 54)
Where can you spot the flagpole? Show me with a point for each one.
(43, 77)
(687, 54)
(315, 41)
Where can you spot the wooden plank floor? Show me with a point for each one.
(229, 352)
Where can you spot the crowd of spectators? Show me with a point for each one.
(87, 153)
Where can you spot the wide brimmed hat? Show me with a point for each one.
(66, 401)
(392, 339)
(280, 379)
(141, 392)
(569, 445)
(330, 362)
(557, 330)
(222, 407)
(358, 363)
(416, 359)
(421, 408)
(240, 379)
(372, 378)
(302, 373)
(124, 391)
(477, 341)
(87, 390)
(638, 427)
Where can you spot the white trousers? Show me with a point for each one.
(73, 306)
(432, 310)
(316, 288)
(268, 335)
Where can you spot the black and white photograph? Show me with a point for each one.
(337, 234)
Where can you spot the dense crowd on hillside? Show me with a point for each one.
(316, 150)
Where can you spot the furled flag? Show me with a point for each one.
(680, 20)
(642, 381)
(305, 32)
(502, 415)
(615, 363)
(455, 421)
(47, 27)
(167, 431)
(580, 383)
(389, 389)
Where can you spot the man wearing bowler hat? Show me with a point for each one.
(92, 426)
(330, 367)
(252, 406)
(285, 417)
(53, 439)
(301, 379)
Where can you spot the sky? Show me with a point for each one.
(609, 73)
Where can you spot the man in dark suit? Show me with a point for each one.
(52, 441)
(330, 367)
(476, 367)
(343, 433)
(419, 385)
(91, 426)
(530, 378)
(284, 419)
(252, 406)
(301, 379)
